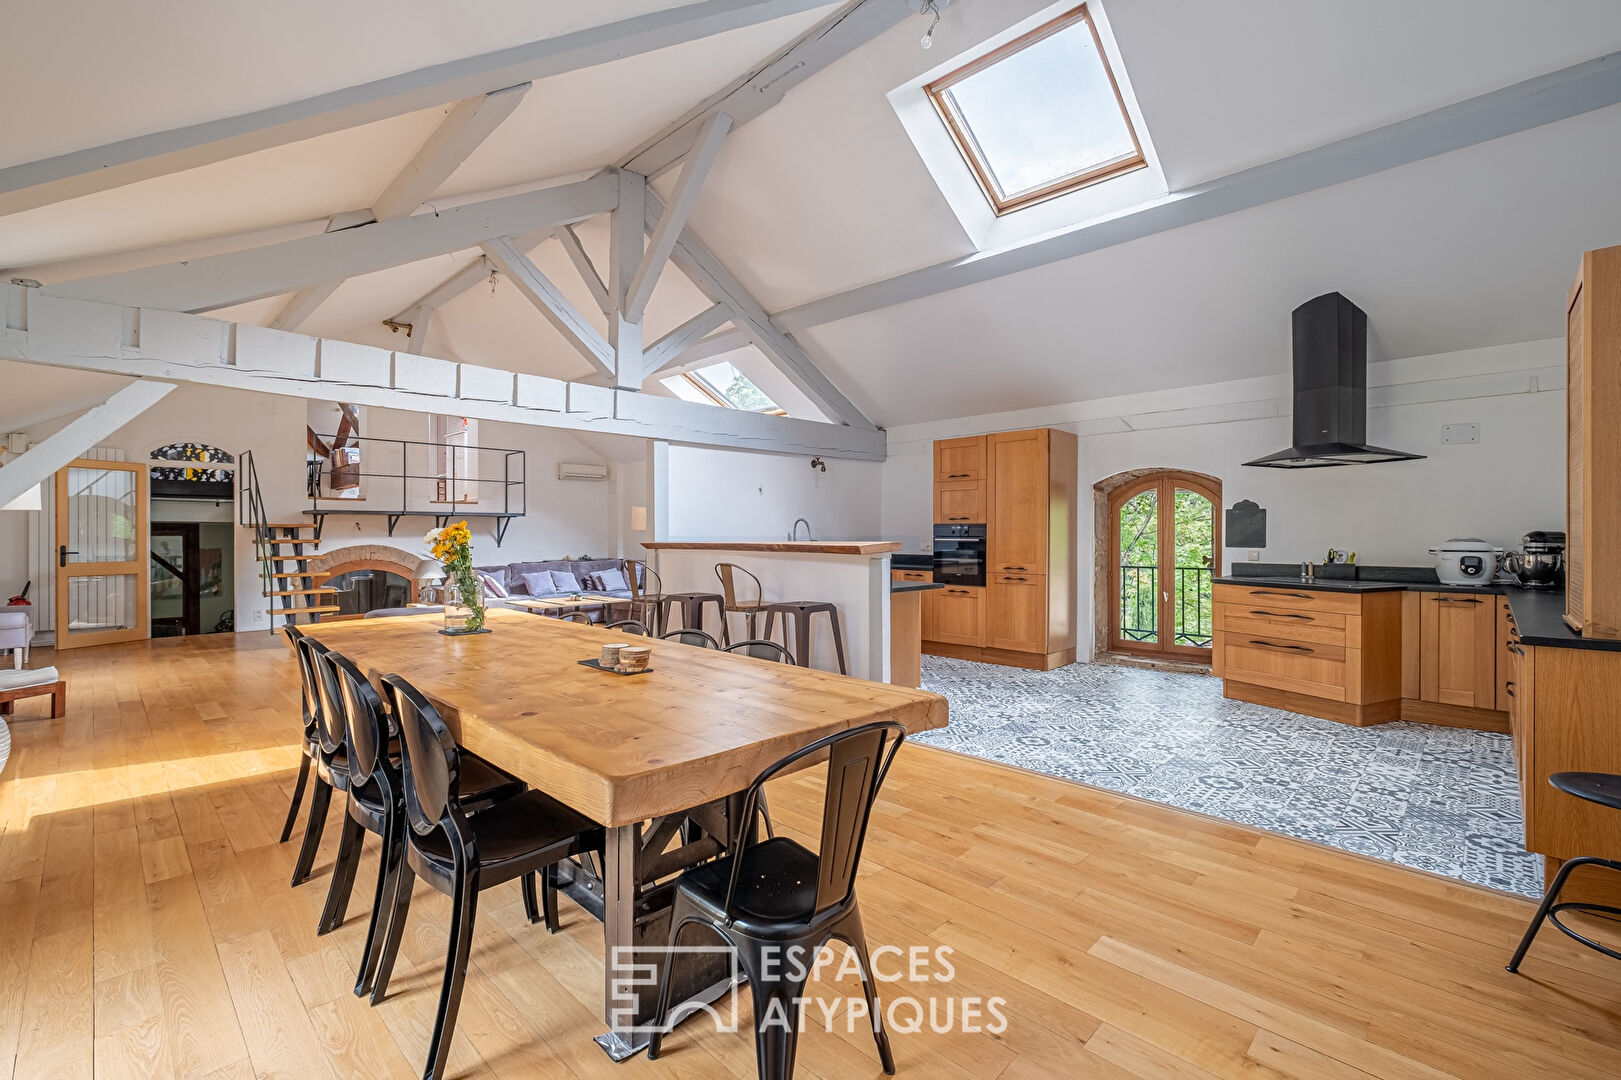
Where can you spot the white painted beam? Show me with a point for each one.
(142, 157)
(539, 290)
(302, 304)
(467, 125)
(717, 283)
(668, 349)
(694, 171)
(1557, 96)
(714, 345)
(453, 286)
(762, 87)
(238, 276)
(624, 256)
(582, 263)
(82, 335)
(44, 458)
(418, 317)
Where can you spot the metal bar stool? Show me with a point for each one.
(750, 608)
(1601, 788)
(800, 611)
(644, 601)
(692, 611)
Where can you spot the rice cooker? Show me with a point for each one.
(1467, 560)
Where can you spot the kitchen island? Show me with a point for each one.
(853, 575)
(906, 631)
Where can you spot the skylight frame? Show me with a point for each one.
(968, 146)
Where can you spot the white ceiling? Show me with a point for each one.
(825, 192)
(35, 395)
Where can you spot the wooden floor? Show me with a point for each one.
(147, 928)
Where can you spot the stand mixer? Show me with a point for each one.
(1540, 562)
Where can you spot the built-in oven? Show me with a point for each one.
(959, 554)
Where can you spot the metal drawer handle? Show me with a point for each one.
(1010, 577)
(957, 519)
(1015, 568)
(1295, 595)
(1515, 649)
(1283, 615)
(1456, 600)
(1508, 688)
(960, 476)
(1273, 645)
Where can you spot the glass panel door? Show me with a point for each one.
(101, 544)
(1137, 532)
(1193, 556)
(1165, 541)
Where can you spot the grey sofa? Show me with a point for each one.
(510, 576)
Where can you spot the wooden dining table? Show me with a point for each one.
(660, 759)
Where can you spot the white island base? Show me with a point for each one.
(853, 575)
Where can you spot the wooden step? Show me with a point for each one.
(290, 525)
(310, 540)
(320, 610)
(273, 557)
(301, 592)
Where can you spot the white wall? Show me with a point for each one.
(740, 495)
(564, 517)
(1510, 482)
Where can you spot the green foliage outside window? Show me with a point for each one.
(1193, 539)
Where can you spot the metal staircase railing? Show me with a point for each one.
(251, 513)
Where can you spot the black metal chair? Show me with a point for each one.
(734, 602)
(692, 611)
(776, 904)
(800, 612)
(1605, 790)
(376, 800)
(307, 740)
(575, 616)
(630, 626)
(331, 758)
(461, 854)
(761, 649)
(691, 637)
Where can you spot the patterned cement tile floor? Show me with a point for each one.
(1435, 798)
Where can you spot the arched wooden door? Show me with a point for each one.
(1164, 551)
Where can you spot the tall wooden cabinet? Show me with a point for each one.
(1593, 471)
(1023, 486)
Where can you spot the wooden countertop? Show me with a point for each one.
(808, 547)
(701, 725)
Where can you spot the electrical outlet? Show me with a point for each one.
(1460, 433)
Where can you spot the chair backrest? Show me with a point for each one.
(365, 721)
(691, 637)
(308, 700)
(639, 576)
(321, 699)
(630, 626)
(761, 649)
(857, 762)
(576, 616)
(728, 573)
(428, 756)
(332, 721)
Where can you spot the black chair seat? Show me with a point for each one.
(513, 837)
(776, 885)
(482, 781)
(1601, 788)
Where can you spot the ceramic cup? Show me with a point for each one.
(610, 656)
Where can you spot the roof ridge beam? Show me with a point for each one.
(142, 157)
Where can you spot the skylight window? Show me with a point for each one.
(1039, 116)
(721, 384)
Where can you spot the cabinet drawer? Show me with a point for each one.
(959, 502)
(1283, 598)
(911, 575)
(1315, 670)
(1310, 627)
(954, 615)
(1039, 580)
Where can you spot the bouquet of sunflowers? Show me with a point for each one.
(453, 547)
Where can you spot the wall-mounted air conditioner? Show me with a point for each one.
(567, 471)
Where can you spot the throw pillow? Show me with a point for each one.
(612, 580)
(493, 586)
(538, 583)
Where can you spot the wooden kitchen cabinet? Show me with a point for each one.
(1458, 650)
(1017, 524)
(1593, 446)
(1023, 486)
(959, 459)
(1505, 645)
(911, 575)
(959, 502)
(1016, 613)
(954, 615)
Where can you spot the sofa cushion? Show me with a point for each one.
(499, 573)
(550, 582)
(610, 580)
(493, 586)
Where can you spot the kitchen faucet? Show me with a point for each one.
(794, 535)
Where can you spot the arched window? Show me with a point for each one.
(1163, 551)
(190, 475)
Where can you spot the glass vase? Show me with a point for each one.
(464, 608)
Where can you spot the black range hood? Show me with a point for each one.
(1331, 390)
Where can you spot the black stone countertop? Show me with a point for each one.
(1538, 613)
(913, 586)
